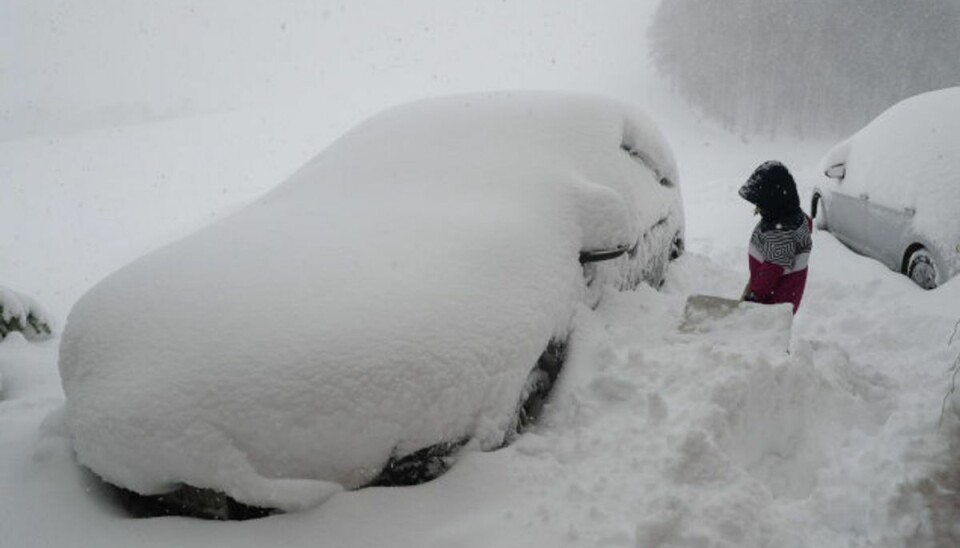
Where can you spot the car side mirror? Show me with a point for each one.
(836, 171)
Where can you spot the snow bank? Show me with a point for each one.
(660, 436)
(392, 294)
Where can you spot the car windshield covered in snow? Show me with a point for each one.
(407, 292)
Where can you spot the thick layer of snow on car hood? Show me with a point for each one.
(392, 294)
(908, 158)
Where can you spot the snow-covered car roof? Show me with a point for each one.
(908, 158)
(393, 293)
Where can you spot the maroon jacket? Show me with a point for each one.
(779, 252)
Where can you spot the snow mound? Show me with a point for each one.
(709, 438)
(393, 294)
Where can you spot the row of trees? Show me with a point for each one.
(805, 67)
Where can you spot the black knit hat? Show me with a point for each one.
(772, 189)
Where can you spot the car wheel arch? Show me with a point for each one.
(911, 249)
(915, 254)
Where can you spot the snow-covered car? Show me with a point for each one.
(893, 189)
(407, 292)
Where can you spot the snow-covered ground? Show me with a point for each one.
(654, 437)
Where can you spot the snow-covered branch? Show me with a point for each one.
(22, 314)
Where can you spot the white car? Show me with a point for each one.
(893, 188)
(407, 292)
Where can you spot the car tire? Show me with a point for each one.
(537, 388)
(921, 269)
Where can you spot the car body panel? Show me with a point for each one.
(889, 233)
(846, 217)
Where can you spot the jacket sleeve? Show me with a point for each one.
(764, 279)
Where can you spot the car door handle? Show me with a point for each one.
(864, 196)
(911, 211)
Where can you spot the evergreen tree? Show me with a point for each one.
(811, 67)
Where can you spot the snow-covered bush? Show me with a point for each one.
(804, 67)
(19, 313)
(392, 296)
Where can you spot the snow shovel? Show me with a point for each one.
(733, 321)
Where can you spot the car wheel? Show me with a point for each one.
(537, 387)
(921, 270)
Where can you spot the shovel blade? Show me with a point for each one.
(734, 322)
(703, 309)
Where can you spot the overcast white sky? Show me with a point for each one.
(59, 58)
